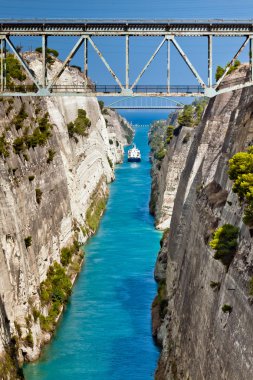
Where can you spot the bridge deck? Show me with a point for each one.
(108, 90)
(126, 27)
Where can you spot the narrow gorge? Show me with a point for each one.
(59, 159)
(202, 315)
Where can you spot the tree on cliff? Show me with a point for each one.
(186, 118)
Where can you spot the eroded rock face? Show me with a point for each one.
(200, 341)
(166, 178)
(65, 186)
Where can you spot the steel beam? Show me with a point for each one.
(147, 108)
(210, 61)
(105, 63)
(232, 62)
(67, 60)
(102, 94)
(77, 27)
(168, 64)
(127, 62)
(148, 63)
(22, 62)
(187, 61)
(44, 60)
(85, 70)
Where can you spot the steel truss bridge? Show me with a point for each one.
(170, 32)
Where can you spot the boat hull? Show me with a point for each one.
(134, 159)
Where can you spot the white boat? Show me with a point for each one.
(134, 154)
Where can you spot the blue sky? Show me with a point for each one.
(140, 48)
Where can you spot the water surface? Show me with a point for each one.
(105, 333)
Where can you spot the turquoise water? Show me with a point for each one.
(105, 333)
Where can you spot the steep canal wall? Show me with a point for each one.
(203, 313)
(57, 157)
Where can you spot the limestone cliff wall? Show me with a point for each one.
(200, 341)
(80, 166)
(166, 176)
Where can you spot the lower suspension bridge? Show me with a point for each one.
(133, 103)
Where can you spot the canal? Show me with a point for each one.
(105, 332)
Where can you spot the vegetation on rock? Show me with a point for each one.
(241, 172)
(28, 241)
(80, 125)
(38, 194)
(220, 70)
(192, 113)
(68, 252)
(226, 308)
(169, 133)
(51, 154)
(4, 146)
(96, 209)
(13, 70)
(225, 242)
(54, 292)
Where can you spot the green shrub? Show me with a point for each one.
(68, 252)
(160, 154)
(54, 292)
(20, 117)
(29, 339)
(169, 133)
(94, 213)
(31, 178)
(226, 308)
(28, 241)
(38, 194)
(36, 314)
(186, 138)
(80, 125)
(19, 145)
(225, 243)
(241, 172)
(13, 69)
(215, 285)
(110, 141)
(186, 117)
(101, 104)
(220, 70)
(248, 215)
(251, 286)
(54, 52)
(4, 146)
(200, 106)
(51, 154)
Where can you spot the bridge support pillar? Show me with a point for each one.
(168, 64)
(210, 60)
(127, 62)
(44, 60)
(85, 69)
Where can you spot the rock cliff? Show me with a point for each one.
(55, 165)
(203, 311)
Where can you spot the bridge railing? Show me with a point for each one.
(107, 89)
